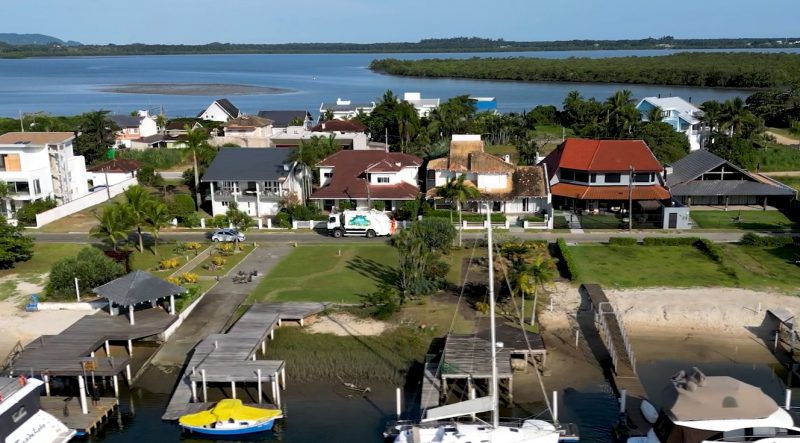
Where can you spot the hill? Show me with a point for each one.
(34, 39)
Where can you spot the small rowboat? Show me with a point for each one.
(230, 417)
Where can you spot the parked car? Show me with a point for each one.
(227, 235)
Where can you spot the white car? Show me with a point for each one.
(227, 235)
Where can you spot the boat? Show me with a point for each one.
(434, 428)
(698, 408)
(21, 416)
(230, 417)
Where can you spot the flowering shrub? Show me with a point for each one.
(189, 277)
(169, 263)
(218, 261)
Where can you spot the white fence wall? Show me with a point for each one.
(87, 201)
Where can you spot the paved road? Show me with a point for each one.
(311, 237)
(210, 316)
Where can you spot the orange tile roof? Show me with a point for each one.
(581, 192)
(603, 156)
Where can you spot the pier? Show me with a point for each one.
(73, 418)
(231, 358)
(622, 376)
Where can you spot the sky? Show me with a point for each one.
(364, 21)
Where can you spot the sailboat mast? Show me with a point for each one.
(493, 388)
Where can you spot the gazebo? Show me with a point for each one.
(138, 287)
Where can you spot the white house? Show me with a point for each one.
(245, 131)
(348, 134)
(134, 127)
(221, 110)
(345, 109)
(37, 165)
(367, 178)
(510, 189)
(424, 106)
(682, 115)
(256, 179)
(112, 172)
(283, 119)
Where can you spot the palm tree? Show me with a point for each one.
(621, 113)
(157, 216)
(137, 202)
(655, 114)
(196, 144)
(407, 121)
(456, 191)
(161, 122)
(712, 113)
(733, 115)
(535, 275)
(114, 225)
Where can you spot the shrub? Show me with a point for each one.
(193, 246)
(190, 221)
(14, 246)
(154, 158)
(305, 212)
(344, 205)
(482, 307)
(90, 266)
(383, 303)
(218, 260)
(379, 205)
(753, 239)
(169, 263)
(26, 215)
(622, 241)
(466, 216)
(569, 260)
(283, 220)
(181, 206)
(220, 221)
(225, 248)
(670, 241)
(437, 233)
(408, 210)
(174, 280)
(147, 176)
(189, 277)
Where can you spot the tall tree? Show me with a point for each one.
(655, 114)
(113, 226)
(158, 218)
(621, 114)
(407, 122)
(196, 145)
(458, 192)
(14, 245)
(96, 135)
(538, 272)
(137, 200)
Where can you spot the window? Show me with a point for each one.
(273, 187)
(251, 186)
(228, 186)
(581, 176)
(642, 177)
(3, 162)
(224, 204)
(613, 177)
(383, 179)
(567, 174)
(592, 178)
(387, 205)
(37, 188)
(431, 174)
(327, 174)
(18, 187)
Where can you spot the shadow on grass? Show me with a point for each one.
(369, 268)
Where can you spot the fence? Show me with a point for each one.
(87, 201)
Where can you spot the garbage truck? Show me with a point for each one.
(361, 224)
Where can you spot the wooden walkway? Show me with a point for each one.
(431, 387)
(68, 410)
(624, 377)
(231, 357)
(62, 354)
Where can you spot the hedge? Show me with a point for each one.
(465, 216)
(622, 241)
(670, 241)
(566, 254)
(752, 239)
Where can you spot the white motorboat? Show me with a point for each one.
(699, 408)
(21, 416)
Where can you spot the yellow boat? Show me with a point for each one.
(231, 417)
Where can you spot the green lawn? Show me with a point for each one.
(319, 273)
(184, 301)
(560, 222)
(149, 261)
(230, 262)
(763, 268)
(600, 221)
(757, 220)
(789, 180)
(647, 266)
(44, 255)
(774, 157)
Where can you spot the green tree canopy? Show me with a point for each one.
(15, 246)
(90, 266)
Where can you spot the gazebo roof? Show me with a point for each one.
(137, 287)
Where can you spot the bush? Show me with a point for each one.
(622, 241)
(174, 280)
(345, 205)
(566, 254)
(305, 212)
(383, 303)
(220, 221)
(408, 210)
(154, 158)
(753, 239)
(90, 266)
(14, 246)
(180, 206)
(670, 241)
(225, 248)
(190, 221)
(193, 246)
(466, 216)
(379, 205)
(437, 233)
(169, 263)
(218, 260)
(283, 220)
(189, 277)
(26, 215)
(147, 176)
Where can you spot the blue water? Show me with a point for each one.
(64, 86)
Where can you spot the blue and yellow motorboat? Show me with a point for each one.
(230, 417)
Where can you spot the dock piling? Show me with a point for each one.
(623, 399)
(46, 385)
(116, 386)
(398, 404)
(205, 389)
(233, 390)
(555, 407)
(82, 388)
(788, 399)
(260, 396)
(194, 392)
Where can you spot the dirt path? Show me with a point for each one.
(784, 140)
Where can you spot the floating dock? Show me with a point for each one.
(68, 411)
(231, 358)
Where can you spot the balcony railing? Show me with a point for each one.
(245, 196)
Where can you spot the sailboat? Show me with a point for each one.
(433, 428)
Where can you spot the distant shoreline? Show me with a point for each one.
(192, 89)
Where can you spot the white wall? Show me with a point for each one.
(215, 113)
(148, 127)
(99, 178)
(535, 205)
(490, 182)
(322, 171)
(79, 204)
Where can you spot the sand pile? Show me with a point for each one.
(345, 324)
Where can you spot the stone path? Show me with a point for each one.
(574, 222)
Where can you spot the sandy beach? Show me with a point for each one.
(18, 325)
(191, 89)
(343, 324)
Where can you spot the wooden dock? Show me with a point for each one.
(68, 410)
(231, 358)
(623, 376)
(431, 387)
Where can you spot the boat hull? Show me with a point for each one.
(252, 429)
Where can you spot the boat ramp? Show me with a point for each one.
(232, 358)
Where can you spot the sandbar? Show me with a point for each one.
(215, 89)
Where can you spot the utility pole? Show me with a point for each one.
(21, 126)
(386, 139)
(631, 171)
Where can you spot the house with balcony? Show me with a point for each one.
(345, 109)
(38, 165)
(424, 106)
(220, 110)
(681, 115)
(246, 131)
(348, 134)
(367, 179)
(603, 176)
(256, 179)
(511, 189)
(132, 128)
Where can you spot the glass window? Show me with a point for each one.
(642, 177)
(567, 174)
(37, 188)
(592, 178)
(327, 174)
(613, 177)
(383, 179)
(3, 162)
(581, 176)
(272, 187)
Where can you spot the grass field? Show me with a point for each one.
(647, 266)
(34, 270)
(230, 262)
(789, 180)
(748, 220)
(765, 268)
(318, 273)
(600, 221)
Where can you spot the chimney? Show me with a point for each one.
(323, 126)
(507, 158)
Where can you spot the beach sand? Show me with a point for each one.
(344, 324)
(18, 325)
(220, 89)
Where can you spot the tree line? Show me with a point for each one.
(699, 69)
(456, 44)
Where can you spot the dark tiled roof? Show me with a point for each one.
(351, 107)
(728, 187)
(283, 118)
(116, 165)
(228, 107)
(137, 287)
(126, 121)
(349, 178)
(692, 166)
(255, 164)
(340, 126)
(248, 121)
